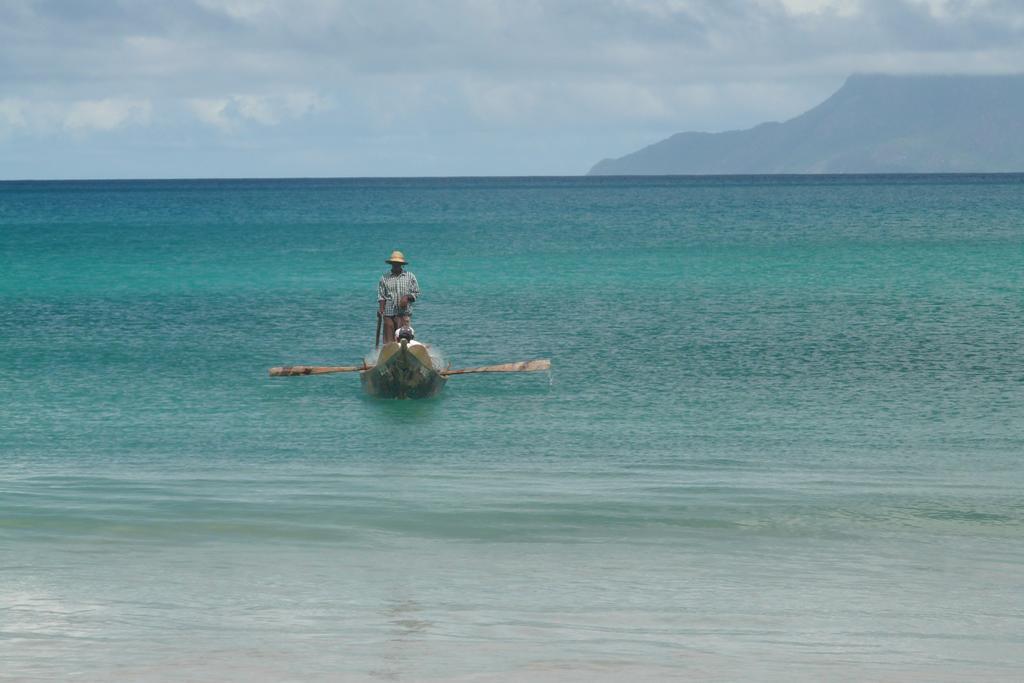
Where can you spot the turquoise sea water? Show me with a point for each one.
(781, 440)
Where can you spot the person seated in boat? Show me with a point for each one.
(407, 333)
(396, 292)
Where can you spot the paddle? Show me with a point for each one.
(294, 370)
(522, 366)
(376, 340)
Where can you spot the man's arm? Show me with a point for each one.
(414, 290)
(382, 296)
(411, 294)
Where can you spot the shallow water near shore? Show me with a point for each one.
(781, 438)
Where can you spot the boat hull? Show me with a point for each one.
(402, 372)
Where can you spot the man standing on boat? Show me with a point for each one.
(396, 293)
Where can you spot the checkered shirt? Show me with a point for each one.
(393, 287)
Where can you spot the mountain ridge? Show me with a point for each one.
(873, 124)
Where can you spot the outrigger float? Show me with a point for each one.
(405, 371)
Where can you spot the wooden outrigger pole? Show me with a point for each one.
(404, 371)
(522, 366)
(296, 370)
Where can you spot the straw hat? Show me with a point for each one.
(396, 257)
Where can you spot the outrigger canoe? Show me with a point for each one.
(404, 371)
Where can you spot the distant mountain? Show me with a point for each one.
(873, 124)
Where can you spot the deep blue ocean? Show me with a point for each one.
(781, 439)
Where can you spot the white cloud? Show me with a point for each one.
(256, 108)
(211, 111)
(298, 104)
(12, 114)
(228, 113)
(843, 8)
(106, 114)
(245, 10)
(945, 9)
(48, 116)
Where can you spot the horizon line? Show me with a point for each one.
(509, 177)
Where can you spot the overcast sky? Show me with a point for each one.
(275, 88)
